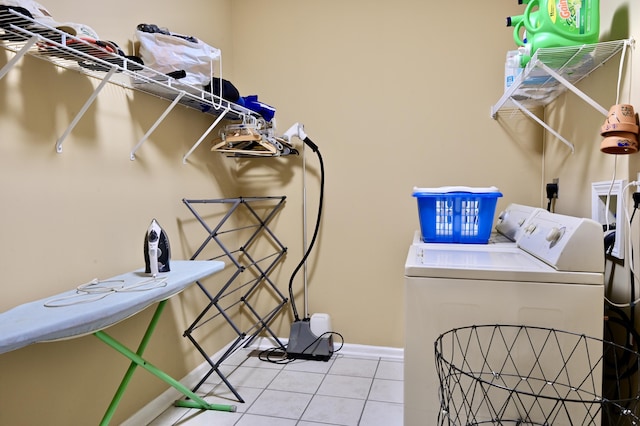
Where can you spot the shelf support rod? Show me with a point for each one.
(543, 124)
(84, 108)
(508, 94)
(573, 88)
(215, 123)
(18, 56)
(160, 119)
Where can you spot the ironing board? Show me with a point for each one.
(70, 315)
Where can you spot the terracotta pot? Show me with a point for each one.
(619, 145)
(621, 118)
(608, 128)
(624, 135)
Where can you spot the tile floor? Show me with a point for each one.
(346, 390)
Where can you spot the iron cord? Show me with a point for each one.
(315, 149)
(97, 289)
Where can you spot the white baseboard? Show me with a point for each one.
(353, 350)
(150, 411)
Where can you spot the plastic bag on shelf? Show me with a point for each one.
(168, 53)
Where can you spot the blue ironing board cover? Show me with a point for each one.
(34, 322)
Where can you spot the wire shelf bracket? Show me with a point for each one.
(156, 124)
(84, 109)
(19, 54)
(205, 134)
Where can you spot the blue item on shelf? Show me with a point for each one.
(266, 111)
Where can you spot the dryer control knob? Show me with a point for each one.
(554, 235)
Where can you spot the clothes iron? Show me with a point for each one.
(157, 252)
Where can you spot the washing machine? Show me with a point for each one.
(550, 276)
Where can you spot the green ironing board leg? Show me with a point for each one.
(137, 360)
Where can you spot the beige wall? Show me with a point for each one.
(395, 95)
(69, 217)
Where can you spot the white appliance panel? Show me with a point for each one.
(513, 220)
(437, 305)
(567, 243)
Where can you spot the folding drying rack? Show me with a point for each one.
(238, 292)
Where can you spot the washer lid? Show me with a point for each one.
(496, 262)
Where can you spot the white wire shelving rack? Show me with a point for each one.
(553, 71)
(22, 35)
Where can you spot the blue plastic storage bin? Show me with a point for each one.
(456, 214)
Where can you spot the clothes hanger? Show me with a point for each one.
(246, 144)
(241, 134)
(249, 148)
(254, 137)
(248, 130)
(247, 138)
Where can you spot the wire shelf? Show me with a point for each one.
(105, 61)
(20, 33)
(522, 375)
(553, 71)
(535, 86)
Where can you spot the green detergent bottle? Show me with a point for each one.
(514, 20)
(559, 23)
(571, 21)
(517, 22)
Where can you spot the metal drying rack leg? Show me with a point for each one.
(236, 294)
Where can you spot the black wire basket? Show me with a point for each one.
(523, 375)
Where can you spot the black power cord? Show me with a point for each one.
(616, 316)
(277, 355)
(315, 149)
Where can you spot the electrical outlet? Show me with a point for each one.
(606, 209)
(557, 182)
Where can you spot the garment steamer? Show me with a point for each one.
(156, 250)
(309, 338)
